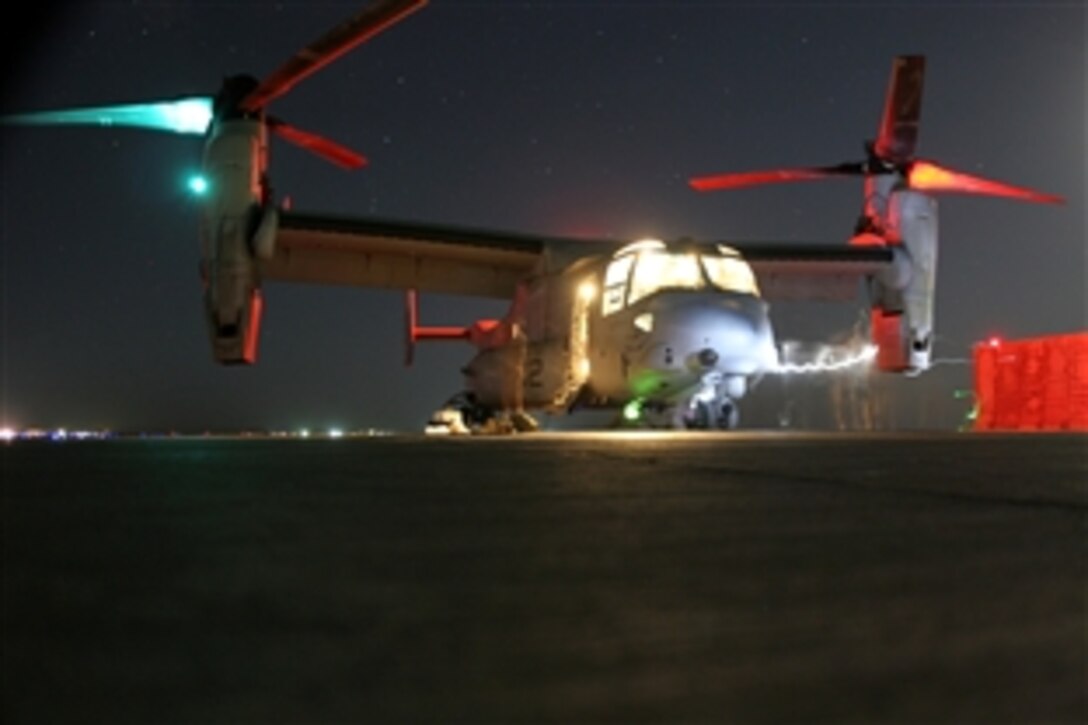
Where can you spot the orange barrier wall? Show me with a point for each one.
(1034, 384)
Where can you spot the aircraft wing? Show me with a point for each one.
(401, 255)
(806, 272)
(319, 249)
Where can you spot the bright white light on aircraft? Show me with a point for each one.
(7, 434)
(587, 291)
(189, 115)
(730, 273)
(304, 433)
(336, 433)
(645, 322)
(185, 115)
(828, 362)
(656, 271)
(642, 245)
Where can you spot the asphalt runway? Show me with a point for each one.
(555, 578)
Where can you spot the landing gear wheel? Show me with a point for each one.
(522, 422)
(720, 415)
(693, 417)
(728, 416)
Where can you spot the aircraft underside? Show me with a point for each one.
(693, 415)
(712, 404)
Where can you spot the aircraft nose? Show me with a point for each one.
(724, 335)
(732, 326)
(697, 336)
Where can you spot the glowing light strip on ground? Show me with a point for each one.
(866, 355)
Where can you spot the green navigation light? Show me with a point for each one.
(198, 185)
(633, 410)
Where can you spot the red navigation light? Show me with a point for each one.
(253, 329)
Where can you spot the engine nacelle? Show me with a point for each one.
(235, 227)
(233, 307)
(903, 303)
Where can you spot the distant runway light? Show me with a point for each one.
(336, 433)
(7, 434)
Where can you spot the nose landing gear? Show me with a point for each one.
(714, 405)
(718, 414)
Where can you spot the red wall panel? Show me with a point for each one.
(1035, 384)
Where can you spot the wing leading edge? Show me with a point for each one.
(317, 249)
(399, 255)
(788, 272)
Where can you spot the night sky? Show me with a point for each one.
(565, 118)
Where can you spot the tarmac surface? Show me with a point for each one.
(556, 578)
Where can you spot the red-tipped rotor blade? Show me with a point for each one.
(357, 29)
(774, 176)
(898, 132)
(927, 176)
(326, 149)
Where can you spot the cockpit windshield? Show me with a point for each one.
(643, 268)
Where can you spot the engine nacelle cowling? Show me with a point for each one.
(236, 228)
(903, 301)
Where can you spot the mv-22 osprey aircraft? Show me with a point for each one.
(675, 332)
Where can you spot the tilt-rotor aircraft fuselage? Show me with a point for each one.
(679, 332)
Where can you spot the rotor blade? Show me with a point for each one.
(362, 26)
(323, 147)
(927, 176)
(184, 115)
(776, 176)
(898, 132)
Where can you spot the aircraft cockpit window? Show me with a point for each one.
(615, 284)
(644, 268)
(730, 273)
(659, 270)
